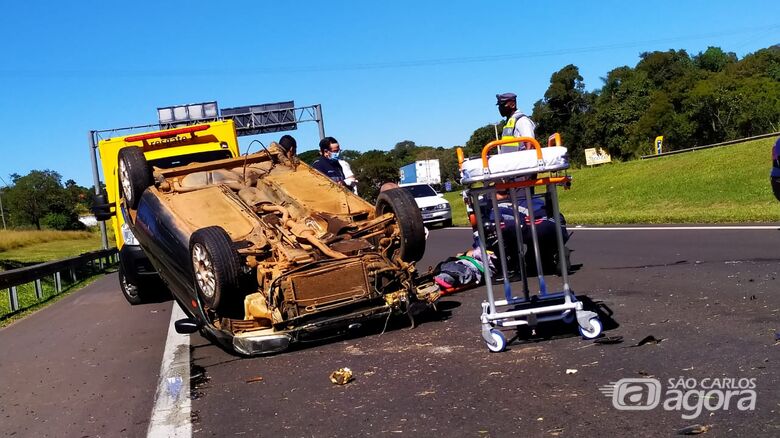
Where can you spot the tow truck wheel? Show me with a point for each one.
(409, 221)
(134, 174)
(130, 290)
(215, 265)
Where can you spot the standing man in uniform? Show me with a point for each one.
(517, 123)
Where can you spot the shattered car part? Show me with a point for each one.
(341, 376)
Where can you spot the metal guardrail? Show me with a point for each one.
(714, 145)
(13, 279)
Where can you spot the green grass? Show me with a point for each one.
(10, 239)
(728, 184)
(53, 250)
(459, 218)
(30, 247)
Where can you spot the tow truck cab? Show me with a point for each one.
(167, 148)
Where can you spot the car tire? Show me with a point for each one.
(131, 291)
(447, 223)
(134, 174)
(215, 264)
(776, 187)
(409, 221)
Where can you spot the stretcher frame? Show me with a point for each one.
(528, 309)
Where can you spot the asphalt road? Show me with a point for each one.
(711, 295)
(88, 365)
(85, 366)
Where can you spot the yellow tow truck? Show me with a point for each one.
(197, 143)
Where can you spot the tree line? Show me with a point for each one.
(691, 100)
(40, 200)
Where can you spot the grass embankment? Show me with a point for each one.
(11, 239)
(26, 247)
(31, 246)
(727, 184)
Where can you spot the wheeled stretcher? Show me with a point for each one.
(516, 173)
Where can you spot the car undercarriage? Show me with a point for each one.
(264, 247)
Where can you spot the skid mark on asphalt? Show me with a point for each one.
(172, 404)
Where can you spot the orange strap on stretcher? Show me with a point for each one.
(558, 180)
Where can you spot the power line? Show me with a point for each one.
(386, 64)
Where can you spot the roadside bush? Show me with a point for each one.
(62, 221)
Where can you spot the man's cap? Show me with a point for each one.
(504, 98)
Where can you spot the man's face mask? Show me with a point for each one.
(334, 156)
(505, 111)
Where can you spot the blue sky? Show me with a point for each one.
(383, 71)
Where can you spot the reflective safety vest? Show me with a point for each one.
(507, 132)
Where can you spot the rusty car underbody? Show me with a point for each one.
(310, 256)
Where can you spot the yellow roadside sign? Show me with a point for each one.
(595, 156)
(659, 144)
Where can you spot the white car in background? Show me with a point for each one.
(433, 207)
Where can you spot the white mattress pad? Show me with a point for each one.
(517, 163)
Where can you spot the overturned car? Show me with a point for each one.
(262, 251)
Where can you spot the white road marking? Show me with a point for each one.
(172, 404)
(667, 228)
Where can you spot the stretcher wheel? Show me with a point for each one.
(499, 341)
(568, 318)
(593, 330)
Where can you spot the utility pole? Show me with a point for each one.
(96, 180)
(2, 213)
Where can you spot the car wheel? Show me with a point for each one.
(215, 265)
(129, 290)
(776, 187)
(447, 223)
(134, 174)
(409, 221)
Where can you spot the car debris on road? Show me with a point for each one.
(341, 376)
